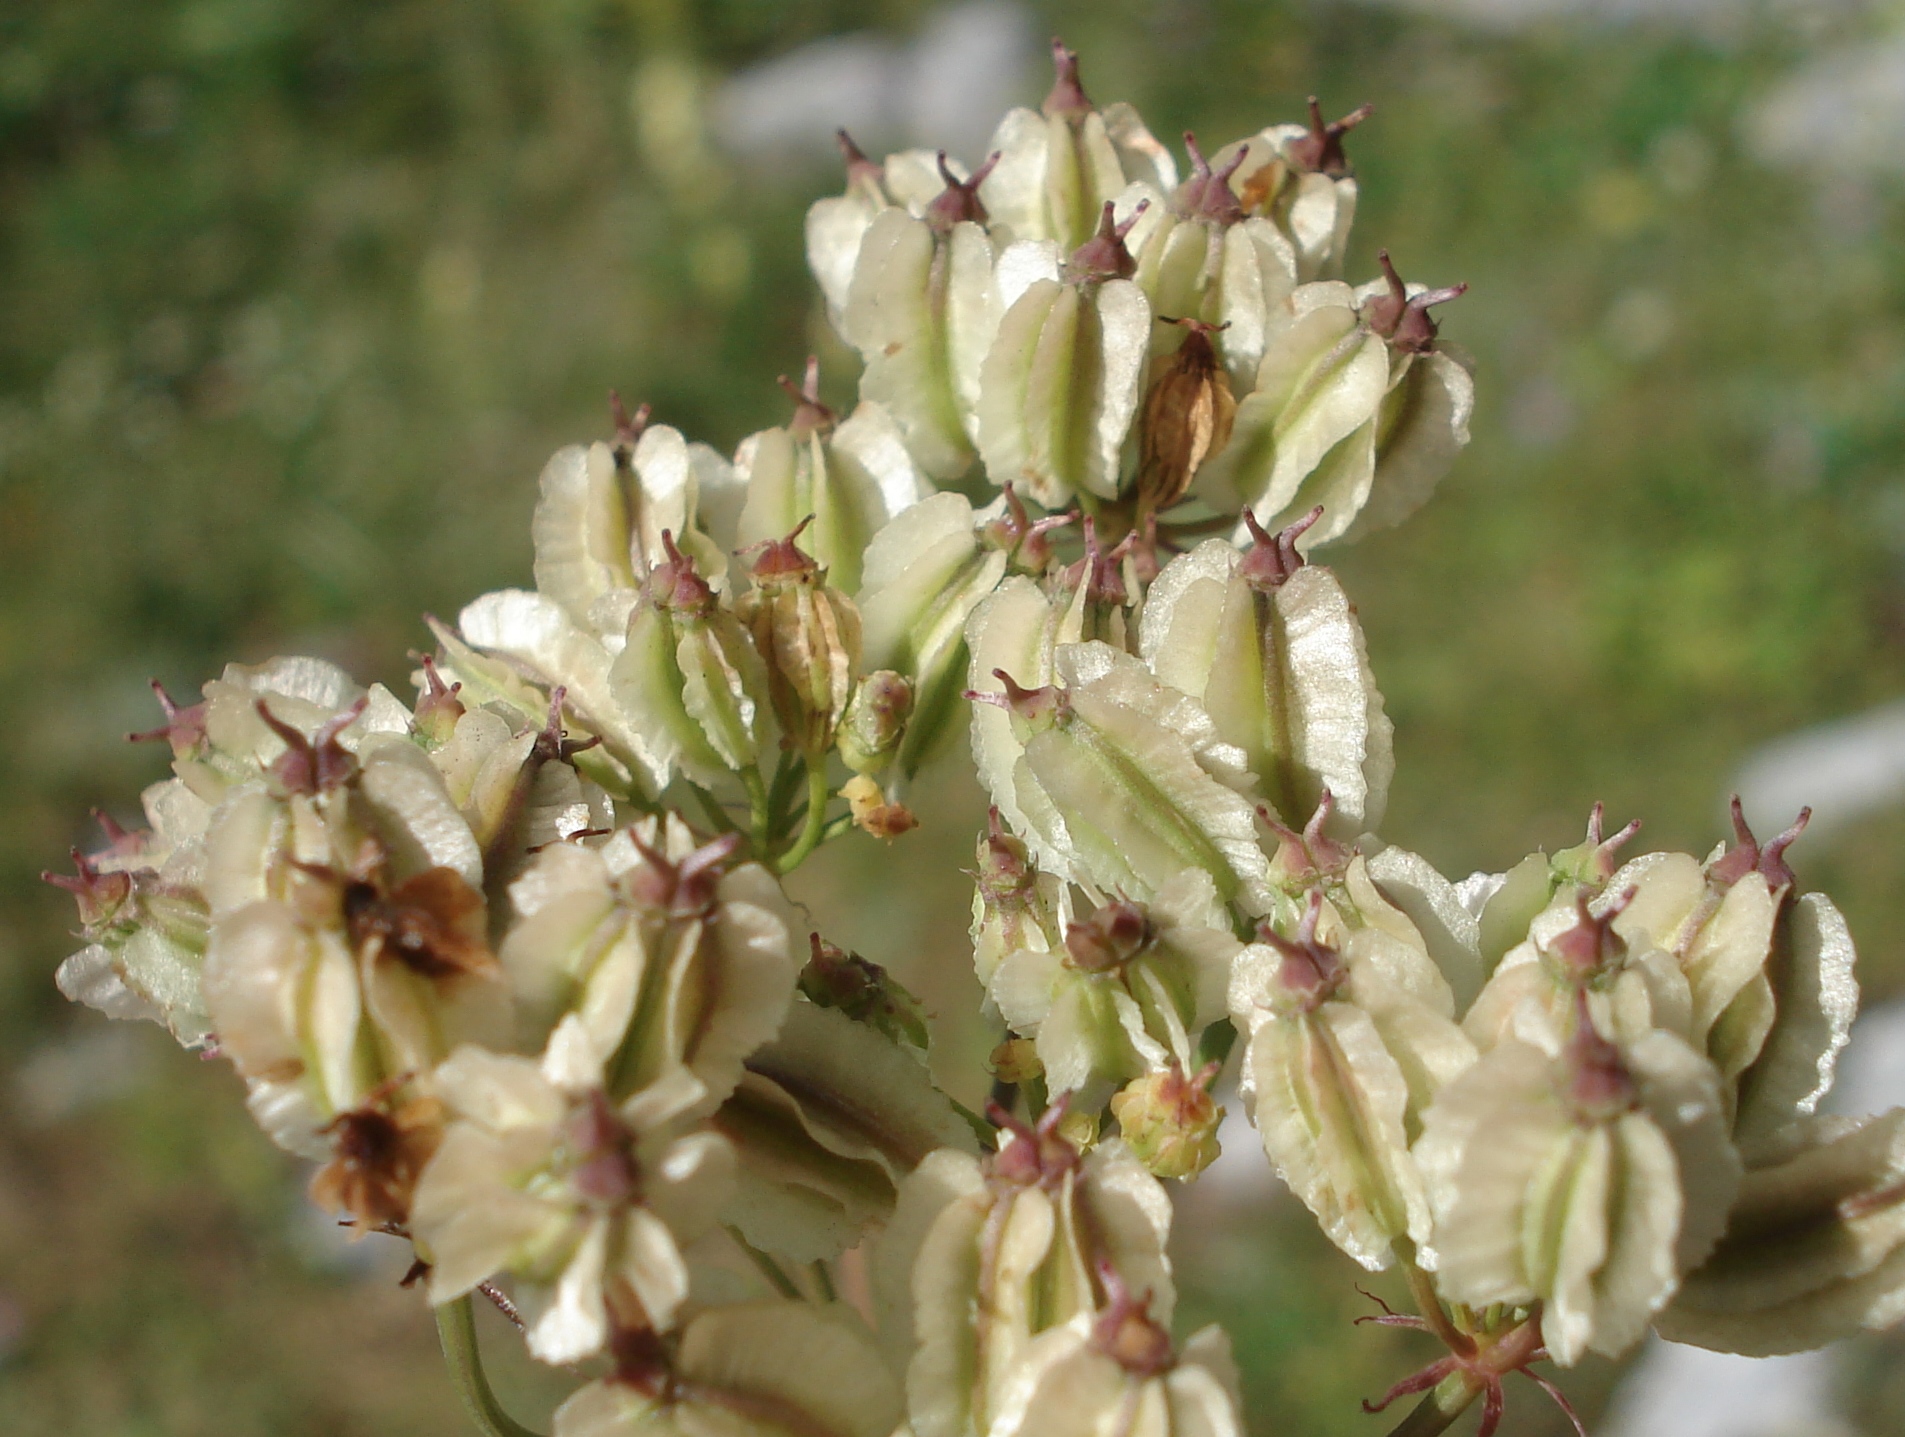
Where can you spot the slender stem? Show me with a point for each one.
(781, 794)
(824, 1281)
(758, 811)
(1446, 1401)
(768, 1268)
(816, 821)
(716, 814)
(456, 1328)
(1429, 1303)
(835, 827)
(981, 1129)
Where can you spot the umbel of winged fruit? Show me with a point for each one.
(1060, 164)
(1588, 1179)
(839, 481)
(1814, 1249)
(1118, 1372)
(1352, 408)
(1061, 384)
(677, 960)
(689, 676)
(1349, 1032)
(922, 312)
(1270, 647)
(1129, 993)
(985, 1254)
(808, 634)
(586, 1202)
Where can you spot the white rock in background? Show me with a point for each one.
(970, 62)
(1842, 112)
(1676, 1391)
(1715, 18)
(1871, 1071)
(1842, 770)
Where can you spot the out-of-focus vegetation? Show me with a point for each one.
(298, 294)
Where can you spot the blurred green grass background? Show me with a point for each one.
(296, 296)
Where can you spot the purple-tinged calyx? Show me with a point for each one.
(1104, 255)
(683, 890)
(1110, 938)
(1321, 151)
(628, 427)
(959, 202)
(438, 707)
(1311, 856)
(100, 896)
(1748, 855)
(1101, 571)
(860, 169)
(1590, 949)
(675, 585)
(1402, 319)
(552, 744)
(811, 417)
(1038, 1155)
(1207, 194)
(1006, 876)
(1599, 1085)
(1067, 99)
(1311, 969)
(1037, 709)
(642, 1361)
(602, 1150)
(1125, 1332)
(1025, 541)
(783, 561)
(317, 764)
(184, 726)
(1273, 558)
(121, 842)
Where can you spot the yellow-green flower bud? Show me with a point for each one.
(875, 722)
(1169, 1121)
